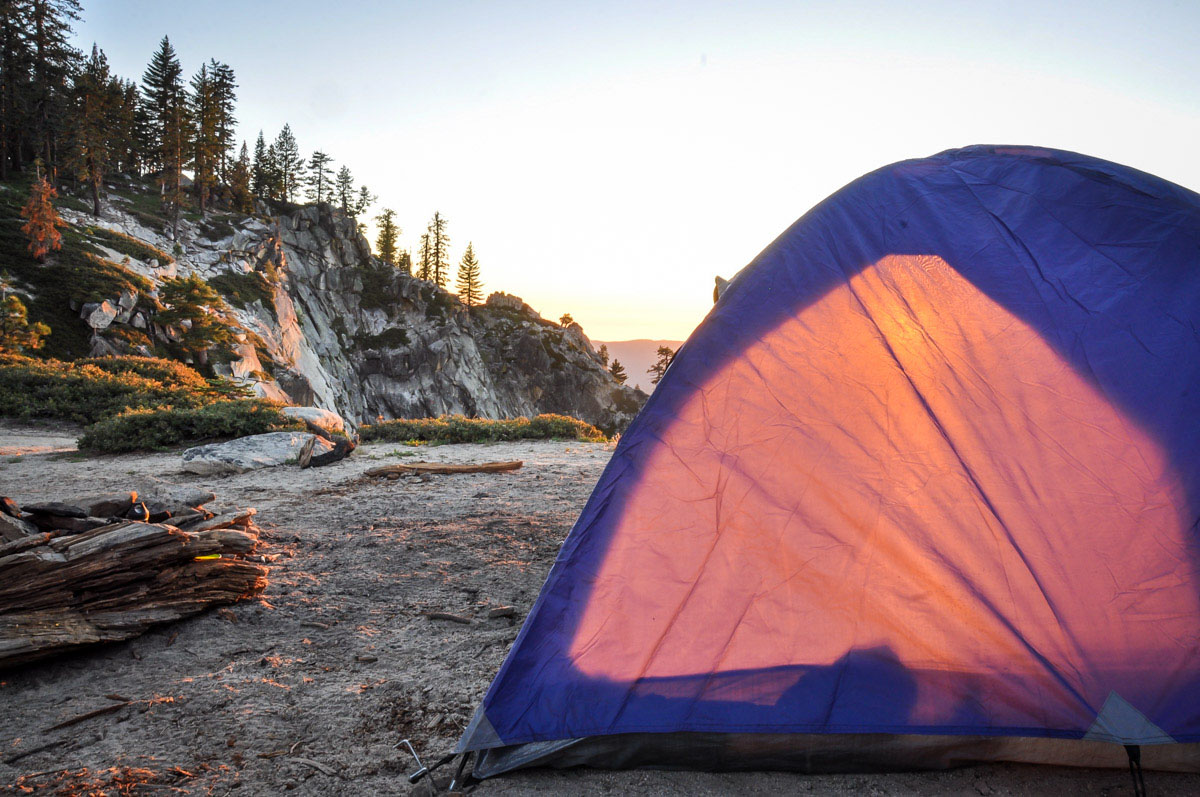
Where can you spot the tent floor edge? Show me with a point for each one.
(824, 753)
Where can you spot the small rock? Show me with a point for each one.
(56, 508)
(367, 659)
(100, 315)
(9, 507)
(115, 505)
(168, 493)
(14, 528)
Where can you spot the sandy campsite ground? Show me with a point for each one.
(307, 689)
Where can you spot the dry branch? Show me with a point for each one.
(438, 467)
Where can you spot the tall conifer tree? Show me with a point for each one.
(166, 104)
(95, 105)
(343, 191)
(320, 177)
(206, 148)
(425, 263)
(289, 165)
(54, 60)
(385, 243)
(470, 289)
(439, 250)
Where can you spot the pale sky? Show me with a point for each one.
(608, 159)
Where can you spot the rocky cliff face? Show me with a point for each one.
(330, 326)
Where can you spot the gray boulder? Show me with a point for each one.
(101, 315)
(249, 453)
(323, 419)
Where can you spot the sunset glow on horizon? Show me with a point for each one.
(608, 161)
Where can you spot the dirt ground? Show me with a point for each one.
(307, 689)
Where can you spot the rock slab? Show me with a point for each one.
(250, 453)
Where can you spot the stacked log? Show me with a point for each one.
(69, 578)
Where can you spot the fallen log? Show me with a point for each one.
(112, 583)
(440, 467)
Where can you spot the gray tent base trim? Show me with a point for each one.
(823, 753)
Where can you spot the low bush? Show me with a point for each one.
(148, 429)
(460, 429)
(86, 391)
(245, 289)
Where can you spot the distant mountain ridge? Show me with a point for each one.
(637, 356)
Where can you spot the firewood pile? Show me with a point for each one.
(109, 568)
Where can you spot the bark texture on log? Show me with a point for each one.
(437, 467)
(116, 581)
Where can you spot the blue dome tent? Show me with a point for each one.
(922, 489)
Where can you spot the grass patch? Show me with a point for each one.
(460, 429)
(149, 429)
(128, 245)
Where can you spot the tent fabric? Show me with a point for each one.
(930, 467)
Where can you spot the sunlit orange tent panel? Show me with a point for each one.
(921, 489)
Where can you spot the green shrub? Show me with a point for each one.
(460, 429)
(152, 429)
(87, 391)
(216, 228)
(244, 289)
(390, 338)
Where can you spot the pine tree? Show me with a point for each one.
(273, 174)
(320, 177)
(241, 195)
(41, 219)
(470, 289)
(258, 171)
(192, 300)
(439, 250)
(206, 149)
(129, 131)
(385, 244)
(404, 262)
(659, 368)
(425, 264)
(288, 164)
(54, 60)
(166, 105)
(96, 102)
(618, 372)
(363, 201)
(16, 333)
(566, 320)
(225, 101)
(603, 354)
(343, 191)
(16, 67)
